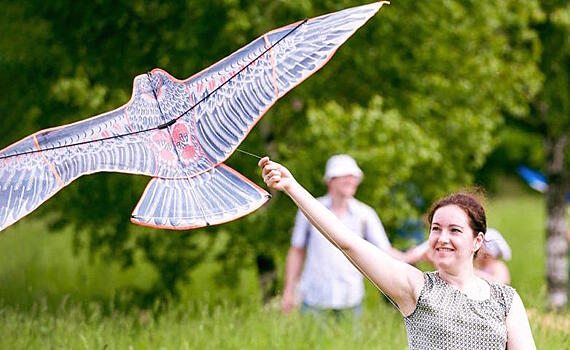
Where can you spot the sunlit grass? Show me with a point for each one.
(37, 265)
(192, 326)
(50, 298)
(223, 326)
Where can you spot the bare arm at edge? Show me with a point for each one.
(519, 335)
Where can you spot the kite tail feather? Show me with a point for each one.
(219, 195)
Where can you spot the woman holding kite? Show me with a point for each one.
(450, 308)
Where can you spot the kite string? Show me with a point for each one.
(250, 154)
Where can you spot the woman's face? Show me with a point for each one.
(451, 239)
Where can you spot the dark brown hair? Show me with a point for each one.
(470, 205)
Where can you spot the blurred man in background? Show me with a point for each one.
(328, 281)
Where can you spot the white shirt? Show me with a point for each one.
(329, 280)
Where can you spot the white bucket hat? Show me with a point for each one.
(495, 244)
(342, 165)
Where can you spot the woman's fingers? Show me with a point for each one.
(263, 161)
(271, 176)
(267, 166)
(272, 173)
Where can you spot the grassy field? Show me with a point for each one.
(48, 300)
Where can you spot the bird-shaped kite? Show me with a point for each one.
(178, 132)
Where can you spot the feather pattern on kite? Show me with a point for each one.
(178, 132)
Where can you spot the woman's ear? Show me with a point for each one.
(478, 241)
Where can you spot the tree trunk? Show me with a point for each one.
(556, 242)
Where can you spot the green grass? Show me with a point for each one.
(50, 298)
(190, 327)
(37, 265)
(193, 326)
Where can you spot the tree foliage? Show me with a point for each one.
(550, 120)
(541, 137)
(417, 96)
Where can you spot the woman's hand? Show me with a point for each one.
(275, 175)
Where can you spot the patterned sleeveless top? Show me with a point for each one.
(445, 318)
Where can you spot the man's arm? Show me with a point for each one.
(418, 253)
(293, 266)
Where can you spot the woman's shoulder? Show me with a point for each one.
(431, 280)
(503, 294)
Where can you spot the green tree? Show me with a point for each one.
(540, 138)
(445, 74)
(550, 119)
(416, 96)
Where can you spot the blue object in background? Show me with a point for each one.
(411, 230)
(535, 179)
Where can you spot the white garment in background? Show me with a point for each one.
(329, 280)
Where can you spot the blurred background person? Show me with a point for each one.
(489, 262)
(325, 280)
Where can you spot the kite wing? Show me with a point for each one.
(280, 60)
(178, 132)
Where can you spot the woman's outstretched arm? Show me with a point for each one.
(400, 281)
(519, 335)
